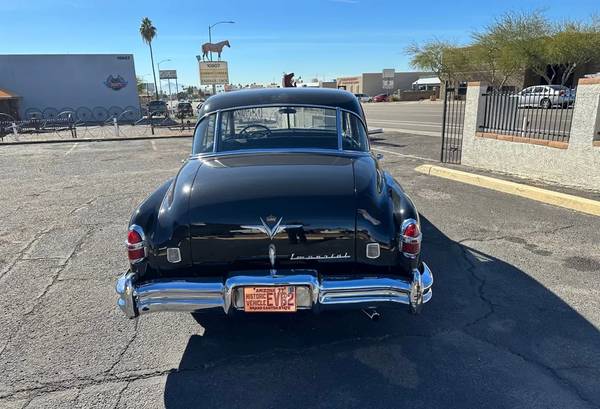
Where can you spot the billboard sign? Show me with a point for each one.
(167, 74)
(388, 78)
(214, 72)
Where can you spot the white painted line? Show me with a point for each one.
(153, 145)
(405, 155)
(412, 131)
(395, 121)
(72, 148)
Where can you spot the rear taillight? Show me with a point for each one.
(410, 238)
(561, 93)
(136, 248)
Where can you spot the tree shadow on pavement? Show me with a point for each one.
(491, 337)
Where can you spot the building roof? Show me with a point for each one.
(283, 96)
(4, 94)
(427, 81)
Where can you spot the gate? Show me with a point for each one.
(452, 124)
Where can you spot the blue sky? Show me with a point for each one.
(316, 38)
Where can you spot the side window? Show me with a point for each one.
(538, 89)
(204, 137)
(354, 136)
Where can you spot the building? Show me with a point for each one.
(372, 83)
(93, 87)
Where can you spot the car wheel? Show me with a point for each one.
(545, 103)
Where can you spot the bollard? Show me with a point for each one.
(116, 125)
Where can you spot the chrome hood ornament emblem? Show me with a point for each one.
(271, 226)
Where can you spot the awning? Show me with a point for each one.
(427, 81)
(7, 95)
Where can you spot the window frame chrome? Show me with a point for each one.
(338, 121)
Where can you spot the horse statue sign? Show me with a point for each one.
(214, 48)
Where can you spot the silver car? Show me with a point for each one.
(546, 96)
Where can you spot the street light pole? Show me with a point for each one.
(214, 87)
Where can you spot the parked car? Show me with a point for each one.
(158, 108)
(363, 97)
(546, 96)
(380, 98)
(184, 109)
(281, 207)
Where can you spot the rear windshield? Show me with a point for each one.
(285, 127)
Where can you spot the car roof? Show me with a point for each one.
(283, 96)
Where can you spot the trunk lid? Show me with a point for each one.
(303, 204)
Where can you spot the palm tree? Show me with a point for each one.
(148, 32)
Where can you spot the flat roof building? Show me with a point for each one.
(93, 87)
(372, 83)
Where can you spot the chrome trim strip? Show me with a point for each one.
(277, 150)
(326, 292)
(338, 127)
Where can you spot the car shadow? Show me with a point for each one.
(491, 337)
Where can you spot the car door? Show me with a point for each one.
(536, 96)
(523, 97)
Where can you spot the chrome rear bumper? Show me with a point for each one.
(312, 292)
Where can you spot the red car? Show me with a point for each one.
(380, 98)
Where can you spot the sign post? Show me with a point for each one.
(168, 75)
(388, 79)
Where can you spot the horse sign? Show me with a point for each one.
(214, 48)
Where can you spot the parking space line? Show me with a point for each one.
(404, 155)
(72, 148)
(153, 145)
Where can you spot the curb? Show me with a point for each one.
(76, 140)
(572, 202)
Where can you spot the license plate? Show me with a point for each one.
(270, 299)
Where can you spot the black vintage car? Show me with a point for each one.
(280, 207)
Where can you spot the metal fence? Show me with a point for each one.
(541, 112)
(452, 125)
(66, 127)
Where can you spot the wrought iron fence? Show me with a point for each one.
(65, 126)
(453, 119)
(539, 112)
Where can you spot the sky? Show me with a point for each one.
(321, 39)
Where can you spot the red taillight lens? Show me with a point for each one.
(562, 93)
(135, 246)
(411, 238)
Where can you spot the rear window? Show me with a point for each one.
(278, 128)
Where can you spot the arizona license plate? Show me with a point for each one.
(270, 299)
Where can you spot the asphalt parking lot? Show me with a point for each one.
(514, 320)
